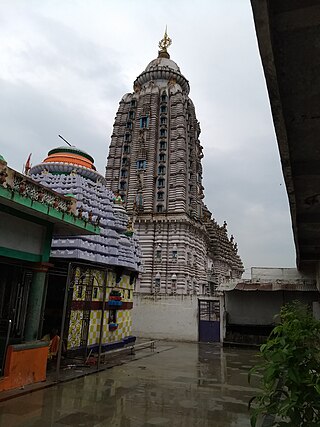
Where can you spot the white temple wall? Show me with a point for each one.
(174, 252)
(155, 162)
(167, 317)
(172, 318)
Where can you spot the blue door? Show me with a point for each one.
(209, 321)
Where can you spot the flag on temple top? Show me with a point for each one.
(27, 166)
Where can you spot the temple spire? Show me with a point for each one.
(163, 45)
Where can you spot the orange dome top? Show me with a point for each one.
(70, 155)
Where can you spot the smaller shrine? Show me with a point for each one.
(30, 214)
(97, 272)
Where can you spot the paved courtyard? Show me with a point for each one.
(184, 385)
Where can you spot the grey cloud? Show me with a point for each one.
(215, 46)
(247, 191)
(32, 121)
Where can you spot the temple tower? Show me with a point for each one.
(154, 163)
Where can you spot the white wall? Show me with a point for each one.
(165, 317)
(20, 234)
(173, 317)
(271, 274)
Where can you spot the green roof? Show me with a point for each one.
(73, 150)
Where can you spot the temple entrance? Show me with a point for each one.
(209, 320)
(53, 310)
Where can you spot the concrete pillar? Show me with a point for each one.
(35, 303)
(316, 309)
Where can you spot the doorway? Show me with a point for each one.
(53, 309)
(209, 320)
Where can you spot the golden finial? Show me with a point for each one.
(164, 44)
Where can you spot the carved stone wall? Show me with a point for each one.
(154, 163)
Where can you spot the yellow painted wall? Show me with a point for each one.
(124, 319)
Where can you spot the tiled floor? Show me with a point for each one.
(186, 385)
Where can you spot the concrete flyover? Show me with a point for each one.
(288, 33)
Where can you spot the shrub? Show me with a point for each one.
(290, 370)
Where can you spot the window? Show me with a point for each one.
(160, 182)
(129, 125)
(139, 200)
(163, 132)
(161, 169)
(126, 149)
(162, 157)
(174, 283)
(141, 164)
(163, 108)
(123, 185)
(133, 103)
(174, 253)
(124, 173)
(144, 122)
(129, 294)
(127, 137)
(163, 120)
(163, 145)
(158, 254)
(95, 292)
(164, 97)
(124, 161)
(157, 282)
(159, 208)
(160, 195)
(131, 115)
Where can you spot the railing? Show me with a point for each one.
(127, 349)
(22, 186)
(25, 186)
(5, 330)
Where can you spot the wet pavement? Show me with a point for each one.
(183, 385)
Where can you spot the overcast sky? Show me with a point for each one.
(65, 65)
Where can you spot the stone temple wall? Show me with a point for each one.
(174, 256)
(154, 163)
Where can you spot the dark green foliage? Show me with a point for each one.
(290, 370)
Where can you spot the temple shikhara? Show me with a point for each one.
(154, 164)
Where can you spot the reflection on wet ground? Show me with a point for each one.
(187, 385)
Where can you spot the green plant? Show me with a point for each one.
(290, 370)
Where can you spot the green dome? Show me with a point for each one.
(73, 150)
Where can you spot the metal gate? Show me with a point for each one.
(209, 320)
